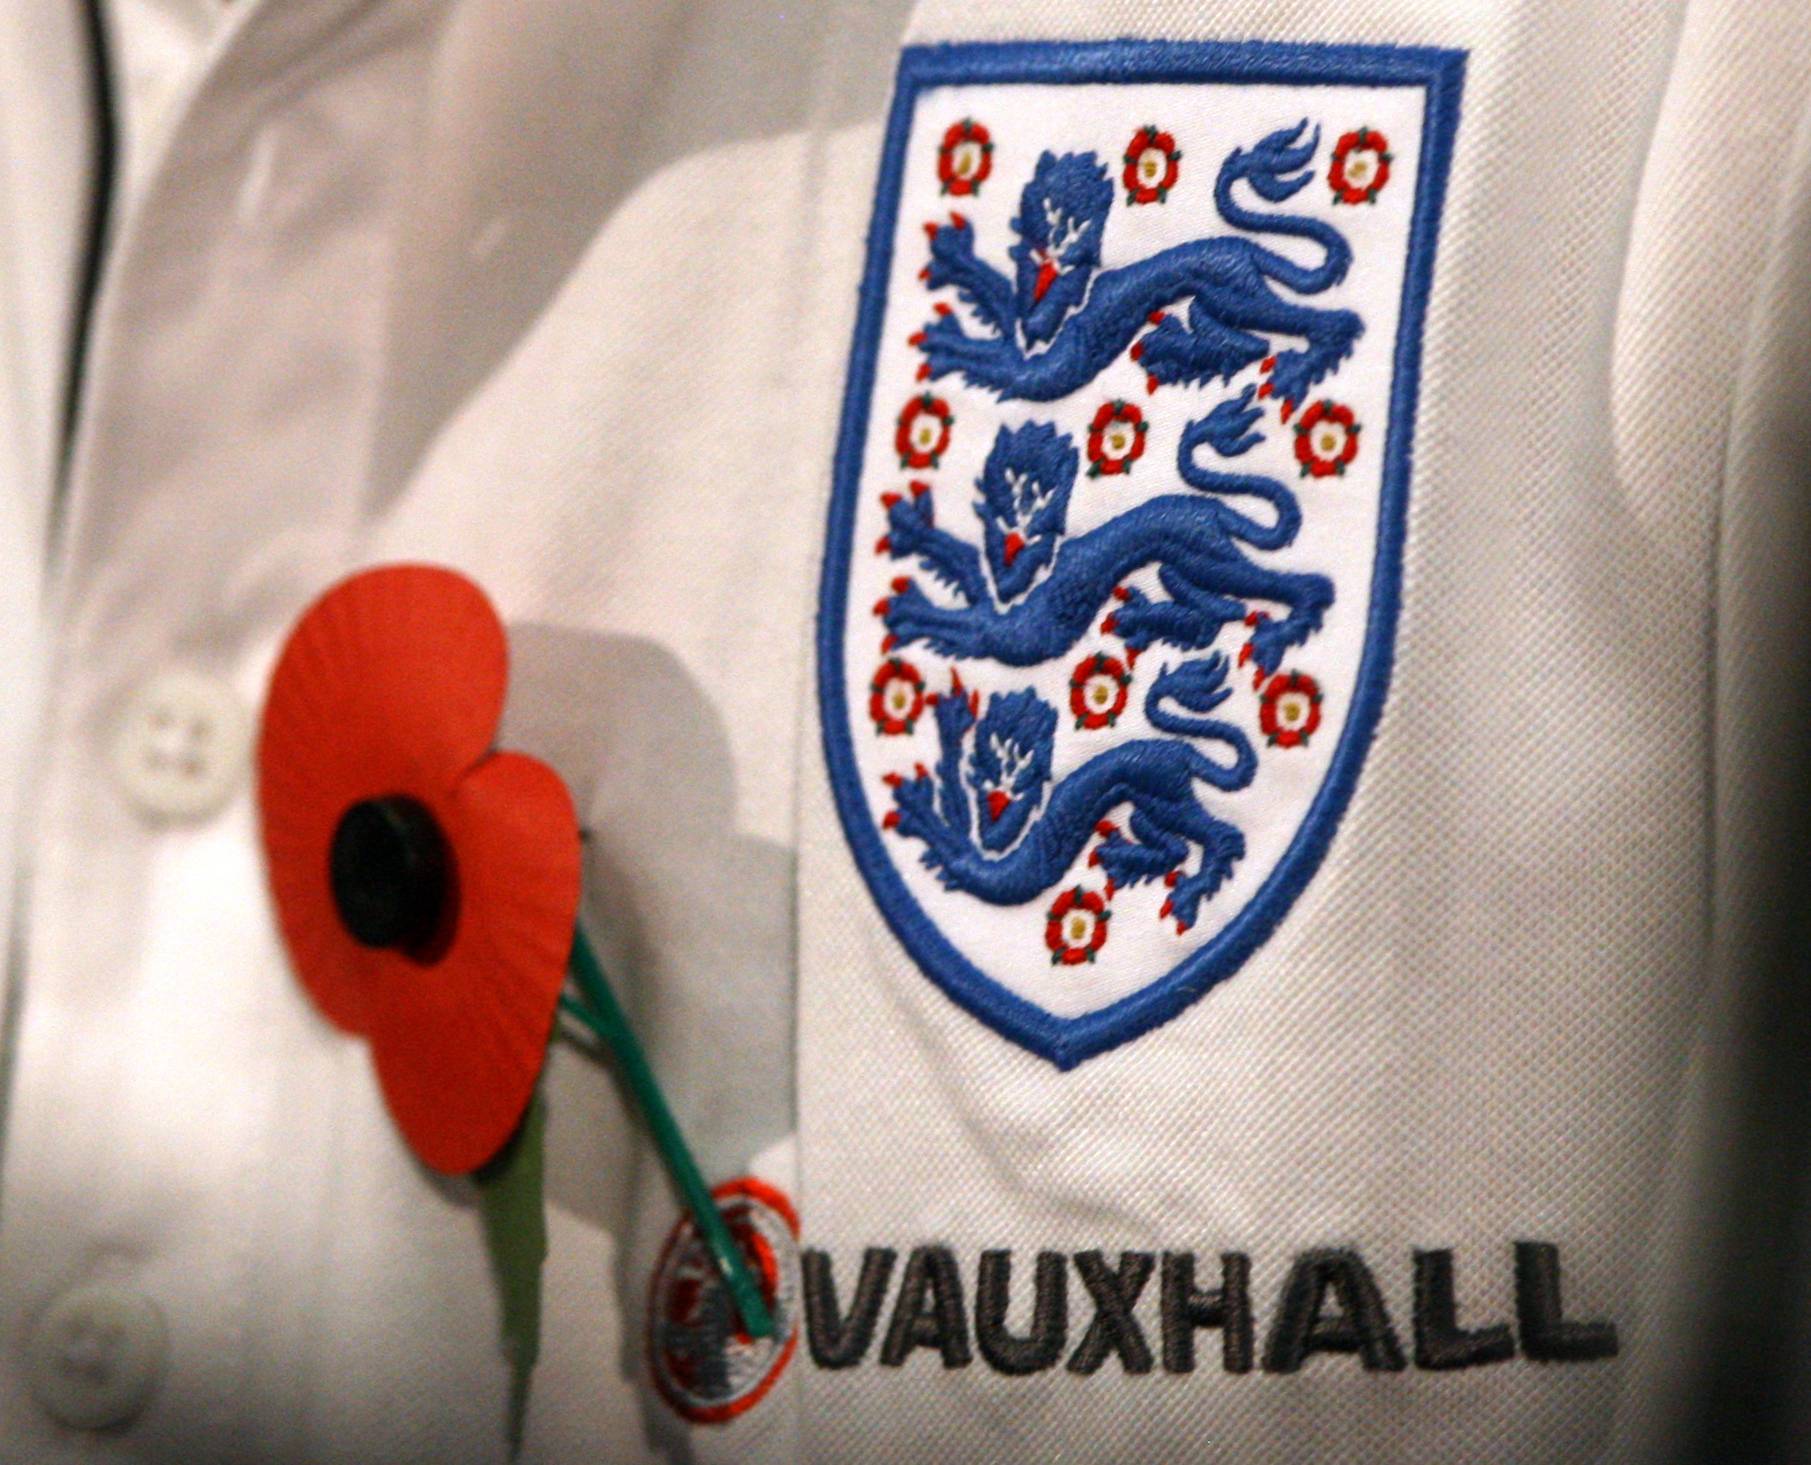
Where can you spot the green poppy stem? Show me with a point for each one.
(603, 1014)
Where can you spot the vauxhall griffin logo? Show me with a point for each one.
(1112, 574)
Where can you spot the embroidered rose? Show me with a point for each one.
(1098, 689)
(426, 885)
(924, 431)
(1360, 167)
(965, 158)
(1076, 926)
(1326, 439)
(1152, 162)
(1290, 709)
(1115, 439)
(896, 697)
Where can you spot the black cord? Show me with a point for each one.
(105, 156)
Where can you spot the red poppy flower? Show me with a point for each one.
(1326, 439)
(1077, 926)
(426, 886)
(1290, 709)
(895, 697)
(1098, 690)
(1152, 162)
(1115, 439)
(965, 158)
(1360, 167)
(924, 431)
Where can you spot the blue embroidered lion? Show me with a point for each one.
(1019, 835)
(1031, 592)
(1060, 320)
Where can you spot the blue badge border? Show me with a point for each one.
(1067, 1042)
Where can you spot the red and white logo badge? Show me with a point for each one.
(705, 1365)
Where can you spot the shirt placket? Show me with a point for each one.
(154, 1143)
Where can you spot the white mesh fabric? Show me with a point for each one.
(1472, 1028)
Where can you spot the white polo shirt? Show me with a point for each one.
(1314, 1062)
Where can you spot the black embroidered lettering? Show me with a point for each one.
(1043, 1345)
(1440, 1343)
(1185, 1309)
(930, 1274)
(837, 1341)
(1547, 1337)
(1361, 1326)
(1114, 1329)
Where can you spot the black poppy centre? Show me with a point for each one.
(391, 873)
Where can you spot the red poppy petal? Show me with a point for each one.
(392, 682)
(459, 1040)
(392, 679)
(301, 805)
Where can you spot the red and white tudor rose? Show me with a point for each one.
(896, 697)
(1077, 926)
(1152, 162)
(1098, 689)
(1360, 166)
(1115, 439)
(1290, 709)
(965, 158)
(924, 431)
(1326, 439)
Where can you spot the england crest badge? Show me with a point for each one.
(1114, 557)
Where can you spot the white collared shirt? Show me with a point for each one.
(564, 296)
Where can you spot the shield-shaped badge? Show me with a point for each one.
(1111, 584)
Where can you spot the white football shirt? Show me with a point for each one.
(1305, 1006)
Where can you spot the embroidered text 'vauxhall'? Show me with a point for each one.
(1137, 1308)
(1111, 584)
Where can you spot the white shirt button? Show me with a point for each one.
(180, 746)
(96, 1354)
